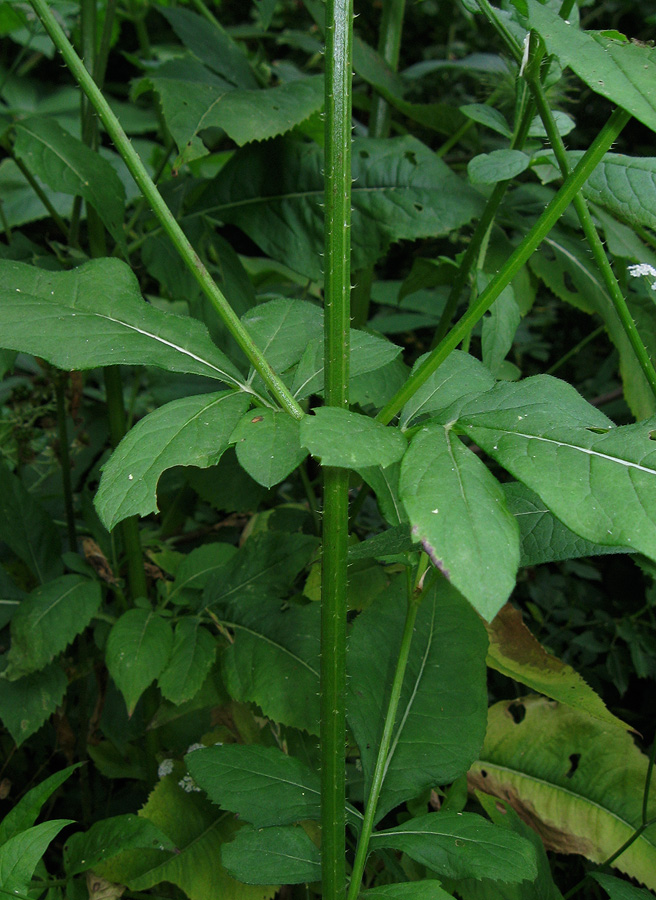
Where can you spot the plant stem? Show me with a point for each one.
(616, 296)
(576, 349)
(384, 756)
(389, 46)
(592, 157)
(65, 459)
(337, 184)
(163, 213)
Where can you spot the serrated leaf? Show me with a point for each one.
(598, 479)
(197, 568)
(66, 164)
(192, 657)
(273, 659)
(343, 438)
(282, 329)
(21, 853)
(367, 353)
(427, 889)
(401, 191)
(459, 375)
(268, 445)
(577, 781)
(262, 785)
(543, 538)
(138, 649)
(620, 890)
(462, 845)
(499, 165)
(457, 510)
(95, 316)
(624, 185)
(515, 652)
(282, 854)
(47, 620)
(198, 831)
(193, 431)
(108, 837)
(440, 722)
(27, 703)
(620, 71)
(27, 529)
(388, 543)
(24, 814)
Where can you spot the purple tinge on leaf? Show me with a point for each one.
(430, 550)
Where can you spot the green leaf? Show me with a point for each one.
(108, 837)
(282, 854)
(198, 831)
(20, 204)
(25, 812)
(462, 845)
(282, 329)
(597, 479)
(192, 657)
(21, 853)
(619, 890)
(577, 781)
(624, 185)
(193, 431)
(427, 889)
(66, 164)
(499, 165)
(197, 567)
(273, 659)
(212, 45)
(367, 354)
(262, 785)
(620, 71)
(457, 510)
(342, 438)
(387, 543)
(434, 740)
(542, 536)
(384, 482)
(138, 649)
(499, 328)
(47, 620)
(27, 703)
(268, 445)
(459, 375)
(190, 107)
(95, 316)
(488, 116)
(517, 653)
(27, 529)
(401, 191)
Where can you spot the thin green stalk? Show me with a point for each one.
(162, 212)
(581, 207)
(576, 349)
(38, 190)
(389, 47)
(337, 186)
(65, 459)
(129, 527)
(588, 162)
(384, 756)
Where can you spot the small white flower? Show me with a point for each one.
(188, 784)
(642, 269)
(192, 747)
(165, 768)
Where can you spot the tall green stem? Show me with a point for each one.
(339, 36)
(384, 756)
(589, 161)
(65, 459)
(581, 207)
(163, 213)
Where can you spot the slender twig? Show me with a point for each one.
(589, 161)
(163, 213)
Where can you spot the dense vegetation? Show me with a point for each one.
(326, 421)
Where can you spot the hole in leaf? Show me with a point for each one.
(363, 154)
(483, 773)
(652, 435)
(517, 711)
(573, 764)
(548, 252)
(419, 207)
(568, 281)
(410, 156)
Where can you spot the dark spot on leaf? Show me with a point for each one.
(501, 808)
(517, 711)
(363, 154)
(568, 281)
(483, 773)
(573, 764)
(419, 207)
(652, 435)
(410, 156)
(257, 419)
(276, 108)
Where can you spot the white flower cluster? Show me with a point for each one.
(643, 269)
(165, 768)
(188, 784)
